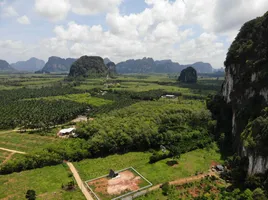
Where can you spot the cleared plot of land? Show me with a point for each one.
(46, 182)
(160, 172)
(24, 142)
(80, 98)
(127, 181)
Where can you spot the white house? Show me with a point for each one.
(67, 132)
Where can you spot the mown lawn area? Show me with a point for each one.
(46, 182)
(23, 141)
(159, 172)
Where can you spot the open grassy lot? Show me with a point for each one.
(80, 98)
(46, 182)
(159, 172)
(24, 142)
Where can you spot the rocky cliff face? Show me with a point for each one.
(246, 90)
(57, 64)
(111, 67)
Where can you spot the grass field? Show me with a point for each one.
(160, 172)
(46, 182)
(80, 98)
(24, 142)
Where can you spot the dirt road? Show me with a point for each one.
(79, 181)
(7, 158)
(12, 151)
(182, 181)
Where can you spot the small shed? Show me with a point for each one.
(170, 96)
(68, 131)
(219, 168)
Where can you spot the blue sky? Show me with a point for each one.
(123, 29)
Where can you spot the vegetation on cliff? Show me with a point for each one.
(188, 75)
(88, 66)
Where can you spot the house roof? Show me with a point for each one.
(67, 130)
(170, 95)
(220, 167)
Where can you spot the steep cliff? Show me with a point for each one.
(188, 75)
(111, 67)
(57, 64)
(89, 66)
(246, 90)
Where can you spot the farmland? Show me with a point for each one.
(79, 98)
(131, 121)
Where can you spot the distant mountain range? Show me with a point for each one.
(57, 64)
(148, 65)
(31, 65)
(145, 65)
(6, 67)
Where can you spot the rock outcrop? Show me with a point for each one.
(246, 90)
(111, 67)
(31, 65)
(57, 64)
(188, 75)
(89, 66)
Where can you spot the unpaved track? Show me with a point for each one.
(7, 158)
(182, 181)
(12, 151)
(79, 181)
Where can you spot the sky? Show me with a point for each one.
(185, 31)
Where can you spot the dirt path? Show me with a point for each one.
(7, 158)
(79, 181)
(182, 181)
(12, 151)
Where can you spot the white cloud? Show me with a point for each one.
(8, 11)
(54, 10)
(185, 32)
(57, 10)
(76, 32)
(92, 7)
(10, 44)
(23, 20)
